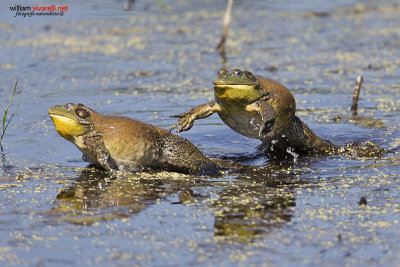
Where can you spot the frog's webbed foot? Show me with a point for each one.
(200, 112)
(186, 121)
(362, 149)
(97, 148)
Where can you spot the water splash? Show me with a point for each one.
(290, 150)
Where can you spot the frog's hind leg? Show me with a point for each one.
(180, 154)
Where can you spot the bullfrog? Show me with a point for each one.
(122, 143)
(261, 108)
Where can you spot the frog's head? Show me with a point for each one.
(243, 88)
(238, 86)
(71, 120)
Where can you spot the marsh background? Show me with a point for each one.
(159, 59)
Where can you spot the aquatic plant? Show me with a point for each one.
(6, 122)
(227, 21)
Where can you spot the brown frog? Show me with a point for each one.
(264, 109)
(122, 143)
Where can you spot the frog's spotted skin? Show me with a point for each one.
(121, 143)
(264, 109)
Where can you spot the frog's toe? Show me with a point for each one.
(174, 126)
(178, 115)
(185, 126)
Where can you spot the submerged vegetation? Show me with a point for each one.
(6, 122)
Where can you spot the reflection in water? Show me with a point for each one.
(244, 207)
(252, 206)
(98, 195)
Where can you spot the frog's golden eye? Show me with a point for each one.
(237, 72)
(222, 72)
(82, 113)
(250, 76)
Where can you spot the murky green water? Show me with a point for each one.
(159, 59)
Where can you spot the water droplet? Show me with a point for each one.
(290, 151)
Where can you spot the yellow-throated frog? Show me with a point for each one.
(264, 109)
(122, 143)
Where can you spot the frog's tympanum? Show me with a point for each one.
(264, 109)
(121, 143)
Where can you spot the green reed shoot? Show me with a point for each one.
(5, 121)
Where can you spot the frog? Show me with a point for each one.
(261, 108)
(119, 143)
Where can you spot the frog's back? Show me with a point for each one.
(128, 140)
(135, 141)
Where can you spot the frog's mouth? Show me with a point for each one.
(67, 127)
(236, 92)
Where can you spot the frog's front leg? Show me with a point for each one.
(267, 113)
(96, 147)
(200, 112)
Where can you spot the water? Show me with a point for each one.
(159, 59)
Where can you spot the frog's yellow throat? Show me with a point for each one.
(236, 92)
(67, 127)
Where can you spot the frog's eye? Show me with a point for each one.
(82, 113)
(222, 72)
(250, 76)
(237, 73)
(69, 106)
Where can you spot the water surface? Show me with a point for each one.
(159, 59)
